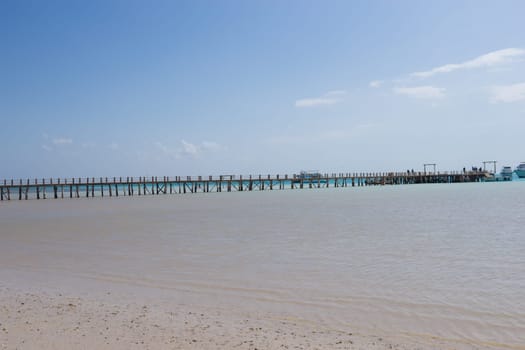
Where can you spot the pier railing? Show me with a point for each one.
(152, 185)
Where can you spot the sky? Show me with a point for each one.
(133, 88)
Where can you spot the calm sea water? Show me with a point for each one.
(445, 261)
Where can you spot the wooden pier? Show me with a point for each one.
(142, 186)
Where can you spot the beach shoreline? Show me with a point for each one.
(265, 271)
(34, 318)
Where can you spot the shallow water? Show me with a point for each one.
(445, 261)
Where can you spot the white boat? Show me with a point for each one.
(506, 173)
(520, 170)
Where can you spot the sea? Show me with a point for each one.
(436, 261)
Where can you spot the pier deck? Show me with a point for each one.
(133, 186)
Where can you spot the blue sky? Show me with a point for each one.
(129, 88)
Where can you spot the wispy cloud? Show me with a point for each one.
(113, 146)
(211, 146)
(376, 83)
(62, 141)
(52, 144)
(329, 98)
(188, 149)
(490, 59)
(424, 92)
(508, 93)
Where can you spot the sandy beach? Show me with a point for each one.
(44, 320)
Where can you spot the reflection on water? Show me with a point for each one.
(440, 260)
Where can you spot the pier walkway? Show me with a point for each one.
(141, 186)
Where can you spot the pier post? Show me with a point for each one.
(152, 191)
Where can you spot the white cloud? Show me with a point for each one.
(329, 98)
(62, 141)
(490, 59)
(376, 83)
(336, 93)
(313, 102)
(508, 93)
(426, 92)
(113, 146)
(47, 148)
(188, 149)
(211, 146)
